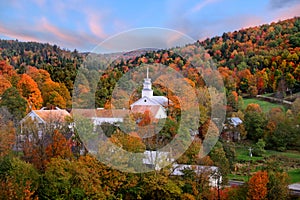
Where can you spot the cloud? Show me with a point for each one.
(202, 28)
(276, 4)
(287, 13)
(44, 31)
(94, 22)
(46, 27)
(15, 34)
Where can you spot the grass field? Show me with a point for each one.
(265, 106)
(294, 175)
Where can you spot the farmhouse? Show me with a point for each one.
(43, 118)
(231, 129)
(212, 172)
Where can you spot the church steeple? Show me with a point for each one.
(147, 89)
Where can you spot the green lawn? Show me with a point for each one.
(288, 154)
(265, 106)
(237, 177)
(242, 155)
(294, 175)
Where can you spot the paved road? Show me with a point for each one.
(295, 189)
(235, 183)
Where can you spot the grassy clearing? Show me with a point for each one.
(288, 154)
(294, 175)
(265, 106)
(237, 177)
(242, 155)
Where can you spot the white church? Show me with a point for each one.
(156, 105)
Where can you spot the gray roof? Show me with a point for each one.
(235, 121)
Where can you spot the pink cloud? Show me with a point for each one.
(46, 32)
(46, 27)
(13, 34)
(94, 22)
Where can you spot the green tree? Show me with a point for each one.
(229, 148)
(254, 121)
(15, 104)
(286, 135)
(160, 186)
(21, 180)
(66, 179)
(278, 185)
(218, 155)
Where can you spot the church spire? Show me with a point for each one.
(147, 72)
(147, 89)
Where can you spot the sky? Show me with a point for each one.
(83, 24)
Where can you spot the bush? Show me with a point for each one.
(259, 148)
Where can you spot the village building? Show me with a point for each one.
(43, 118)
(231, 130)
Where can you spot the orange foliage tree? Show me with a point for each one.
(9, 73)
(28, 88)
(53, 93)
(4, 84)
(257, 186)
(7, 136)
(59, 147)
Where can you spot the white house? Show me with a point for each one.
(157, 159)
(41, 122)
(215, 178)
(42, 118)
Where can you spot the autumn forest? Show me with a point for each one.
(260, 71)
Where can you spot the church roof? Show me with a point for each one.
(162, 100)
(142, 108)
